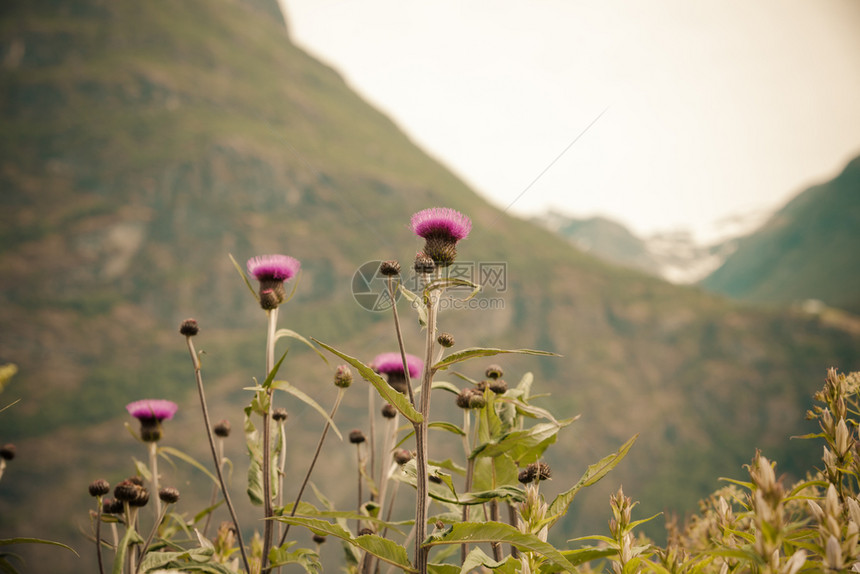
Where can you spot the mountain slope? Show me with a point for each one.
(808, 250)
(144, 142)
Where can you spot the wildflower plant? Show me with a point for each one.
(487, 510)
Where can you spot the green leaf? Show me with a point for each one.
(304, 557)
(446, 386)
(450, 427)
(587, 554)
(592, 474)
(477, 557)
(308, 510)
(443, 568)
(474, 532)
(119, 560)
(292, 334)
(244, 277)
(255, 460)
(399, 400)
(473, 352)
(416, 303)
(24, 540)
(442, 284)
(302, 396)
(168, 450)
(384, 549)
(154, 560)
(523, 446)
(271, 377)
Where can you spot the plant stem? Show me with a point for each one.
(400, 344)
(268, 512)
(161, 514)
(199, 376)
(421, 553)
(340, 394)
(371, 392)
(153, 468)
(99, 534)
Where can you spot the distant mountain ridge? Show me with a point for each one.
(809, 249)
(674, 256)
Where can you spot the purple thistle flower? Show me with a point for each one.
(392, 363)
(273, 267)
(441, 228)
(271, 271)
(152, 409)
(442, 222)
(150, 413)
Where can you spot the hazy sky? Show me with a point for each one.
(709, 107)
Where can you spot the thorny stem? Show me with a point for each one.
(272, 316)
(340, 394)
(199, 376)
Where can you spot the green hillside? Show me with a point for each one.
(144, 142)
(808, 250)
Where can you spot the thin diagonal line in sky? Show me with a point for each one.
(553, 162)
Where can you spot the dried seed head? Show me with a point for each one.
(343, 377)
(189, 327)
(446, 340)
(389, 268)
(494, 372)
(356, 437)
(169, 495)
(280, 415)
(99, 487)
(222, 429)
(389, 411)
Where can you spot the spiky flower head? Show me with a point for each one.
(271, 271)
(445, 340)
(150, 413)
(441, 228)
(391, 365)
(169, 495)
(389, 268)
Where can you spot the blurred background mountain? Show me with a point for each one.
(144, 142)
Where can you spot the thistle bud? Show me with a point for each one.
(111, 506)
(125, 491)
(365, 531)
(477, 401)
(389, 411)
(168, 494)
(99, 487)
(424, 264)
(498, 386)
(141, 499)
(525, 476)
(189, 327)
(494, 372)
(356, 437)
(434, 479)
(7, 452)
(446, 340)
(389, 268)
(402, 456)
(343, 377)
(269, 299)
(319, 538)
(280, 414)
(222, 429)
(463, 398)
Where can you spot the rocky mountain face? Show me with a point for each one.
(807, 250)
(144, 143)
